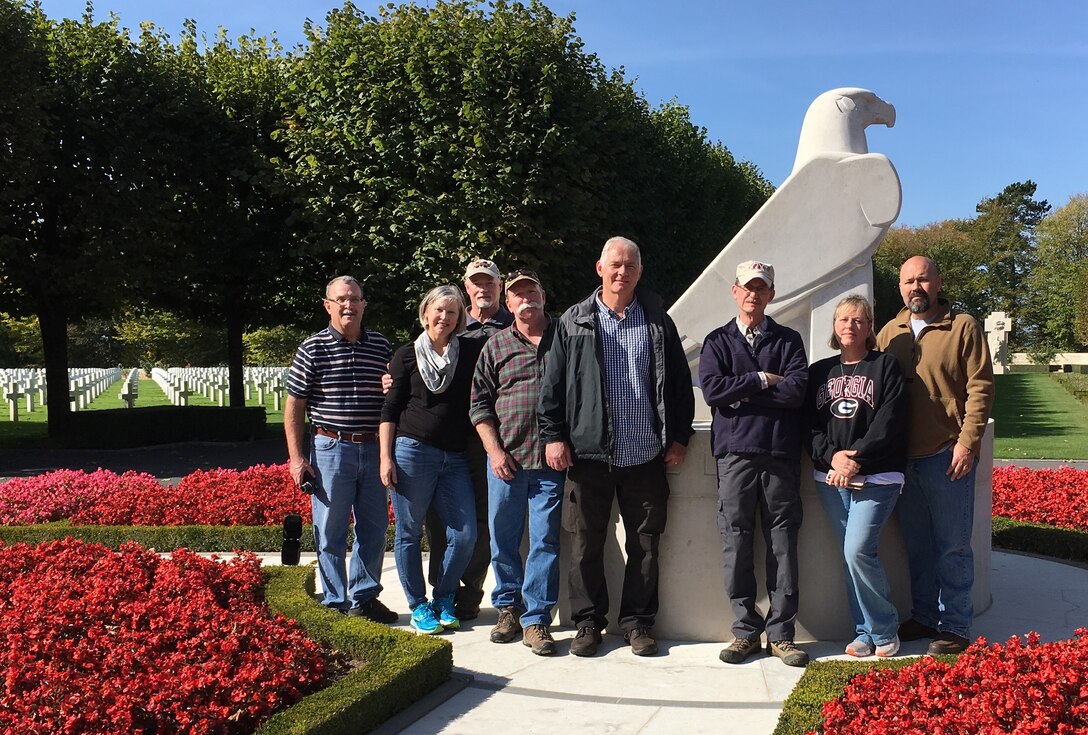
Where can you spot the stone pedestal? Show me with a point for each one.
(693, 602)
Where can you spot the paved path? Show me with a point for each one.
(685, 689)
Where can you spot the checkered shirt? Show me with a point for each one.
(626, 346)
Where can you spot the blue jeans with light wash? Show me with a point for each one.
(858, 518)
(426, 473)
(534, 587)
(936, 515)
(348, 485)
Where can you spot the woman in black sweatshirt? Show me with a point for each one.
(856, 407)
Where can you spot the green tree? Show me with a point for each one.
(157, 338)
(89, 200)
(273, 346)
(427, 136)
(1058, 300)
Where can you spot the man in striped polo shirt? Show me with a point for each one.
(335, 379)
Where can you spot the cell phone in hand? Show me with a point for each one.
(309, 483)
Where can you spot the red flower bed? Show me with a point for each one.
(258, 496)
(98, 641)
(1054, 497)
(1021, 687)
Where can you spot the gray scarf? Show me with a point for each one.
(435, 369)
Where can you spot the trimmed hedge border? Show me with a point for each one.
(398, 667)
(195, 538)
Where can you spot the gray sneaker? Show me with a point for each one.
(539, 640)
(508, 627)
(738, 650)
(790, 654)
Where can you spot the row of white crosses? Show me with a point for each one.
(130, 389)
(213, 383)
(28, 385)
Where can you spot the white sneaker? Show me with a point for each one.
(859, 649)
(889, 649)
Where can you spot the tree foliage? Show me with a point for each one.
(986, 262)
(425, 137)
(1058, 297)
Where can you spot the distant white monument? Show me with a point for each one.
(997, 328)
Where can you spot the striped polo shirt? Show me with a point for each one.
(341, 381)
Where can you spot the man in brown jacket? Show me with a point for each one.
(950, 386)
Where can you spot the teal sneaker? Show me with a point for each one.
(424, 621)
(443, 610)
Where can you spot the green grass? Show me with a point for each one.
(30, 431)
(1036, 418)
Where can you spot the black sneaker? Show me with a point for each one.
(641, 641)
(466, 611)
(947, 643)
(738, 650)
(788, 651)
(374, 610)
(586, 641)
(912, 630)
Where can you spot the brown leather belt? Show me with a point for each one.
(359, 437)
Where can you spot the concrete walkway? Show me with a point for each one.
(685, 689)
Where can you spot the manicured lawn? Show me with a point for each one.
(30, 431)
(1035, 418)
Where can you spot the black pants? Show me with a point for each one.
(643, 493)
(747, 482)
(471, 590)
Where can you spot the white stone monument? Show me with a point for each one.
(998, 326)
(819, 230)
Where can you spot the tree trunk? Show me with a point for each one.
(235, 352)
(54, 326)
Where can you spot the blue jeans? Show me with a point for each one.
(534, 587)
(348, 484)
(426, 473)
(936, 516)
(858, 518)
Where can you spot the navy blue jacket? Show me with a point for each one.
(763, 421)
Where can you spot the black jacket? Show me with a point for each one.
(573, 402)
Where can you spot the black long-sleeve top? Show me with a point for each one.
(439, 419)
(860, 407)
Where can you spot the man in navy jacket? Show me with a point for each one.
(753, 373)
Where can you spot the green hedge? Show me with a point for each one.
(397, 668)
(194, 538)
(1037, 538)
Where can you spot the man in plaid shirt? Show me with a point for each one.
(505, 389)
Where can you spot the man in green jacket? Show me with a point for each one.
(950, 387)
(616, 407)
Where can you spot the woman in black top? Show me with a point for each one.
(856, 404)
(423, 437)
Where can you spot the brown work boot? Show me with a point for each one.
(641, 641)
(586, 641)
(508, 627)
(786, 650)
(738, 650)
(539, 640)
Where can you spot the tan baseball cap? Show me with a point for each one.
(750, 269)
(482, 265)
(522, 274)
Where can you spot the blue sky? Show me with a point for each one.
(986, 93)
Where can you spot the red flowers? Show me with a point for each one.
(1024, 687)
(98, 641)
(259, 496)
(1054, 497)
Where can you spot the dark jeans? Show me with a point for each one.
(773, 485)
(643, 493)
(471, 590)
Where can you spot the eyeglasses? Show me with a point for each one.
(520, 273)
(345, 300)
(761, 290)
